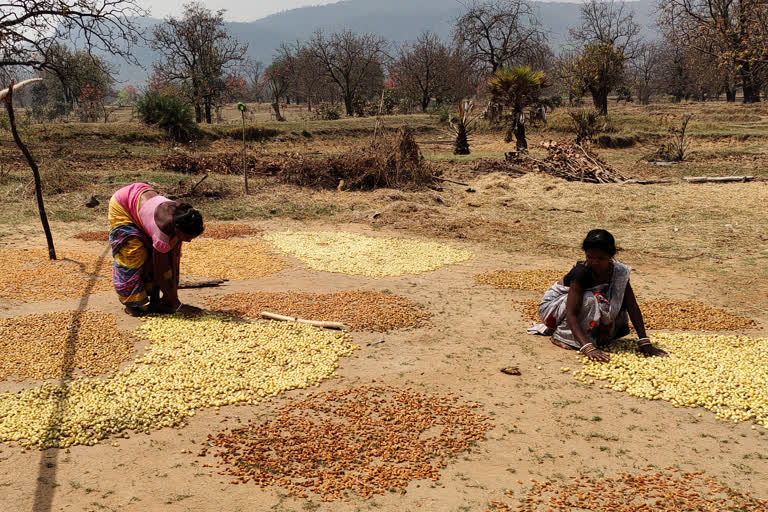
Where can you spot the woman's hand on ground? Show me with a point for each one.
(598, 355)
(593, 353)
(651, 351)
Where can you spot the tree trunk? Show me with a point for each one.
(730, 94)
(208, 110)
(35, 172)
(520, 144)
(198, 113)
(348, 104)
(425, 103)
(600, 99)
(751, 92)
(276, 108)
(461, 144)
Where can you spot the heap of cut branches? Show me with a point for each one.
(395, 163)
(569, 161)
(216, 163)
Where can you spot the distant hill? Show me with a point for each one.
(396, 20)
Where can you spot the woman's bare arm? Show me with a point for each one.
(636, 316)
(161, 265)
(572, 313)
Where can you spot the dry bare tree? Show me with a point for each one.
(276, 84)
(30, 28)
(420, 69)
(645, 68)
(732, 32)
(305, 71)
(501, 33)
(608, 22)
(197, 53)
(349, 60)
(607, 36)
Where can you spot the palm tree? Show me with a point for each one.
(462, 125)
(518, 88)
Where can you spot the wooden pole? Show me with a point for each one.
(245, 170)
(719, 179)
(8, 99)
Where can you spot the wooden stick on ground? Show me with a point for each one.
(718, 179)
(451, 181)
(316, 323)
(186, 282)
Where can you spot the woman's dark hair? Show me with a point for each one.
(600, 239)
(188, 219)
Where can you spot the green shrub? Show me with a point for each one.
(440, 110)
(586, 123)
(327, 112)
(168, 112)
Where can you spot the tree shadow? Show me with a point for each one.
(48, 465)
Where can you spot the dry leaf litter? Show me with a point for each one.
(364, 440)
(663, 491)
(534, 280)
(724, 374)
(30, 276)
(53, 345)
(192, 363)
(228, 259)
(358, 310)
(350, 253)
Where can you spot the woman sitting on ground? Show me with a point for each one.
(589, 306)
(146, 233)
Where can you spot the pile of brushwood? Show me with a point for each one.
(216, 163)
(566, 160)
(389, 163)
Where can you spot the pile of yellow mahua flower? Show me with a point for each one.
(228, 259)
(725, 374)
(350, 253)
(192, 363)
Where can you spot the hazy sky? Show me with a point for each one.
(237, 10)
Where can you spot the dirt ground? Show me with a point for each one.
(707, 242)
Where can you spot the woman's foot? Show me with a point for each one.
(161, 308)
(136, 311)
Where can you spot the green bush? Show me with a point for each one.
(327, 112)
(440, 110)
(168, 112)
